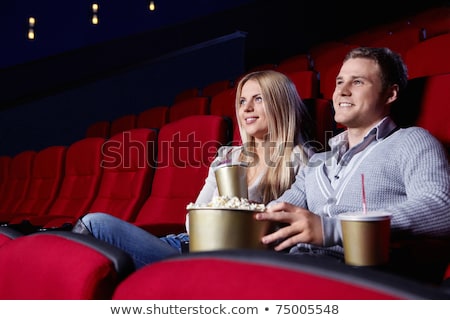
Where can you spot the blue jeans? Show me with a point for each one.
(142, 246)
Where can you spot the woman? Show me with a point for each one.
(273, 124)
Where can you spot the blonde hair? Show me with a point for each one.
(287, 118)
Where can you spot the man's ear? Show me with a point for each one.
(392, 94)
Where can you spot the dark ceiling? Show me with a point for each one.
(276, 29)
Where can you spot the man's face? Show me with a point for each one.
(358, 99)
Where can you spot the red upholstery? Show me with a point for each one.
(185, 149)
(300, 62)
(99, 129)
(79, 186)
(5, 162)
(224, 104)
(127, 173)
(327, 59)
(154, 117)
(64, 267)
(215, 87)
(17, 185)
(255, 276)
(328, 80)
(429, 57)
(46, 177)
(123, 123)
(187, 94)
(306, 82)
(400, 40)
(328, 53)
(189, 107)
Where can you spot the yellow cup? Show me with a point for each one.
(366, 237)
(232, 180)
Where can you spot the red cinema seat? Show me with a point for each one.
(17, 184)
(153, 118)
(429, 57)
(187, 94)
(46, 177)
(128, 167)
(189, 107)
(123, 123)
(215, 87)
(185, 150)
(300, 62)
(224, 104)
(266, 275)
(60, 266)
(400, 40)
(79, 187)
(306, 82)
(425, 104)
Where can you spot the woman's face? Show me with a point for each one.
(252, 114)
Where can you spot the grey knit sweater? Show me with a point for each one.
(406, 173)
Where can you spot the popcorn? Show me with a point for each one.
(226, 202)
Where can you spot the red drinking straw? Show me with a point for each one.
(364, 203)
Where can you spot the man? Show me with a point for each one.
(406, 169)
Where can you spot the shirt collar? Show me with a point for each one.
(381, 130)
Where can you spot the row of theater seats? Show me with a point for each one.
(221, 103)
(140, 175)
(61, 265)
(422, 40)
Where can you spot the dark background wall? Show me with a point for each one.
(75, 73)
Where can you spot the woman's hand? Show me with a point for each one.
(302, 226)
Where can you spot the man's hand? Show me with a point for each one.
(302, 226)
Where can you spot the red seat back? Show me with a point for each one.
(46, 177)
(189, 107)
(400, 40)
(123, 123)
(187, 94)
(5, 162)
(18, 181)
(306, 82)
(127, 173)
(154, 117)
(251, 275)
(82, 177)
(185, 150)
(300, 62)
(99, 129)
(224, 104)
(429, 57)
(214, 88)
(49, 266)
